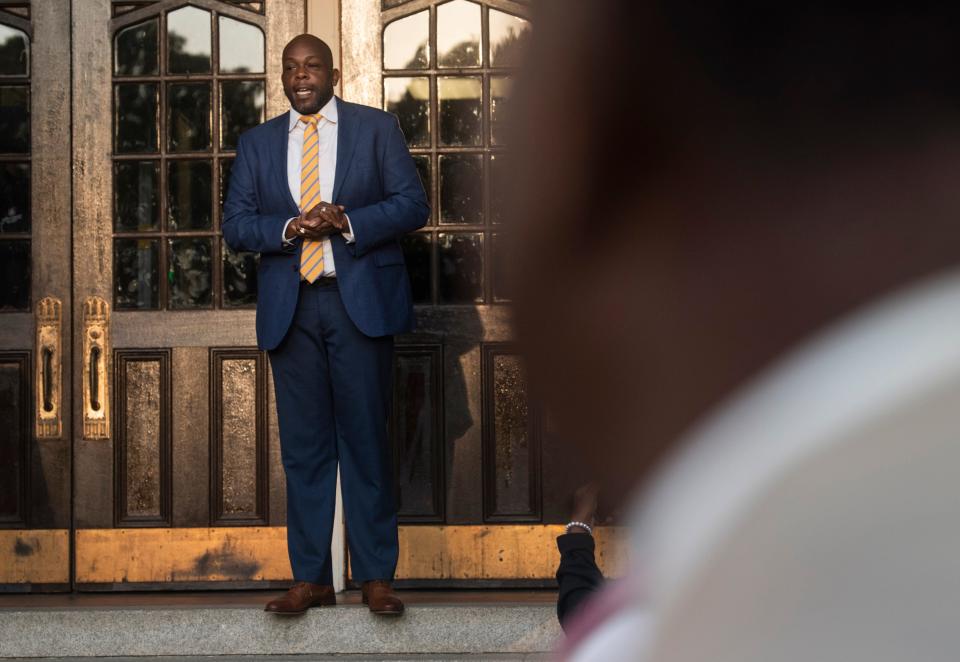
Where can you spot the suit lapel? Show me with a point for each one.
(279, 158)
(346, 140)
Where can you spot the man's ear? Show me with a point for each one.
(335, 76)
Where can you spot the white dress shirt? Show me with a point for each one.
(813, 515)
(327, 135)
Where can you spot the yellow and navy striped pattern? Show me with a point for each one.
(311, 255)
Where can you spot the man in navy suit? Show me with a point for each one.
(323, 193)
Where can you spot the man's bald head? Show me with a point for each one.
(311, 42)
(308, 75)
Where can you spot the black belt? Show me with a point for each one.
(321, 281)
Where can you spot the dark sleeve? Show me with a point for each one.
(578, 574)
(244, 227)
(404, 207)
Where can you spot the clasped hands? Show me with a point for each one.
(319, 222)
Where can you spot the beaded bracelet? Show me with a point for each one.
(582, 525)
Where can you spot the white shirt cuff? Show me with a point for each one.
(348, 235)
(287, 242)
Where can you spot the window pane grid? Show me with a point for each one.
(185, 254)
(463, 231)
(16, 247)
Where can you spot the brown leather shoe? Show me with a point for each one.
(301, 597)
(379, 596)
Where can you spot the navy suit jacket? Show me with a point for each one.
(376, 180)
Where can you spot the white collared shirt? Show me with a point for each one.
(327, 135)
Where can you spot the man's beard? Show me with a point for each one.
(323, 97)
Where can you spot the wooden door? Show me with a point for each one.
(482, 489)
(178, 481)
(35, 299)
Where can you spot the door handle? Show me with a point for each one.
(96, 351)
(49, 369)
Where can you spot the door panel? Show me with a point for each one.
(187, 488)
(35, 392)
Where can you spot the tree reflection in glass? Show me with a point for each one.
(188, 117)
(14, 52)
(508, 38)
(188, 41)
(136, 108)
(241, 47)
(241, 109)
(188, 273)
(409, 100)
(406, 42)
(239, 278)
(136, 51)
(461, 267)
(461, 183)
(190, 189)
(460, 110)
(136, 273)
(458, 34)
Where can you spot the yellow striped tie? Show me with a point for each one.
(311, 255)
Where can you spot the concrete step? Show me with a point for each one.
(518, 625)
(481, 657)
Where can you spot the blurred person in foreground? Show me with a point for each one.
(744, 302)
(578, 576)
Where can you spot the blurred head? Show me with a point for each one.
(727, 180)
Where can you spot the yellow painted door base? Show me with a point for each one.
(259, 554)
(37, 557)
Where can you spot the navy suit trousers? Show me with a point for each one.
(334, 391)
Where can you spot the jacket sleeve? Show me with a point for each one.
(244, 227)
(578, 574)
(404, 207)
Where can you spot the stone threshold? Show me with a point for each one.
(437, 624)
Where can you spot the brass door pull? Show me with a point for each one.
(96, 349)
(47, 379)
(49, 420)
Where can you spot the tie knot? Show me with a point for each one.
(310, 119)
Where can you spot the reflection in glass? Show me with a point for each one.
(461, 186)
(422, 161)
(136, 105)
(511, 434)
(14, 198)
(14, 119)
(406, 42)
(416, 252)
(501, 282)
(508, 37)
(225, 165)
(460, 110)
(499, 180)
(409, 100)
(14, 52)
(414, 434)
(458, 34)
(15, 275)
(136, 273)
(136, 193)
(136, 50)
(241, 104)
(461, 267)
(13, 441)
(188, 117)
(239, 278)
(241, 47)
(188, 41)
(189, 195)
(188, 272)
(500, 89)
